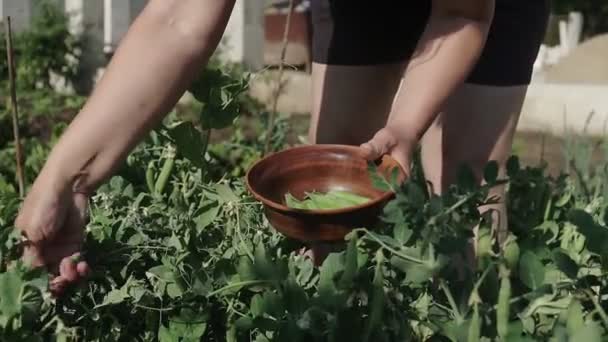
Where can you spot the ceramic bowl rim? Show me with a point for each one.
(386, 195)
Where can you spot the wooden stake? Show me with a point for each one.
(14, 109)
(273, 113)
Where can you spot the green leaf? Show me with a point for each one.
(350, 268)
(174, 291)
(455, 331)
(162, 272)
(244, 323)
(402, 232)
(377, 179)
(295, 298)
(11, 286)
(188, 328)
(246, 270)
(329, 269)
(213, 116)
(116, 296)
(564, 199)
(513, 166)
(189, 142)
(531, 270)
(414, 272)
(415, 194)
(306, 269)
(490, 172)
(376, 307)
(164, 335)
(202, 85)
(256, 308)
(565, 264)
(575, 321)
(596, 236)
(262, 264)
(210, 213)
(590, 333)
(272, 304)
(225, 193)
(422, 305)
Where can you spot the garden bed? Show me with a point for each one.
(193, 258)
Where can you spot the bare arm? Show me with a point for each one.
(163, 50)
(447, 52)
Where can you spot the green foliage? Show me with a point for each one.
(46, 48)
(199, 262)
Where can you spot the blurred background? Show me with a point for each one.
(63, 46)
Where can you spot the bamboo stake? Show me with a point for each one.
(273, 113)
(14, 109)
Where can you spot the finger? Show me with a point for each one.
(67, 270)
(39, 224)
(69, 243)
(57, 286)
(83, 269)
(55, 252)
(81, 203)
(382, 143)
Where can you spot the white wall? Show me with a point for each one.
(243, 40)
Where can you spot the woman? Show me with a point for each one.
(396, 61)
(162, 51)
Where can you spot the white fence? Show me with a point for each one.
(104, 23)
(569, 37)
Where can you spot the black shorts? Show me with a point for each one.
(359, 32)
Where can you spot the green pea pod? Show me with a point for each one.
(377, 304)
(150, 177)
(165, 172)
(484, 245)
(502, 310)
(475, 326)
(511, 254)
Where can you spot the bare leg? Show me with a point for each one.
(351, 103)
(477, 126)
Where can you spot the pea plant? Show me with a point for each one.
(181, 252)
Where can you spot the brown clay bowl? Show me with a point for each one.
(318, 168)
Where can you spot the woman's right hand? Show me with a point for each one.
(394, 142)
(52, 219)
